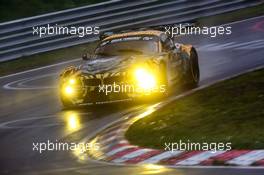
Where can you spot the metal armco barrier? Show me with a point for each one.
(17, 39)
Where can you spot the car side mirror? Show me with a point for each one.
(86, 56)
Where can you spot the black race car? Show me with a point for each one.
(130, 65)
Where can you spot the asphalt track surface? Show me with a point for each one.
(31, 111)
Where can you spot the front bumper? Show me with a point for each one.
(103, 88)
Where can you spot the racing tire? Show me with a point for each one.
(193, 74)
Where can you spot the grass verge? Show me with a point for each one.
(229, 111)
(42, 59)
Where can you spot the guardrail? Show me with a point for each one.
(17, 40)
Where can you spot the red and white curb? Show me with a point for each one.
(114, 148)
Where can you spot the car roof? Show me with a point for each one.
(136, 33)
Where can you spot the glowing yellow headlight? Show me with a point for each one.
(69, 87)
(145, 79)
(72, 81)
(68, 90)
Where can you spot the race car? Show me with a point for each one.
(129, 65)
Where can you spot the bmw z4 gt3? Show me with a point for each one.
(130, 65)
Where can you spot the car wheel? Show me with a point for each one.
(193, 75)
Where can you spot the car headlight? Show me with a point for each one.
(72, 81)
(68, 90)
(145, 79)
(69, 87)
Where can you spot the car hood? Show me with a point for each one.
(109, 64)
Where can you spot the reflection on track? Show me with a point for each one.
(28, 115)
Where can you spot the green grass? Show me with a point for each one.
(232, 16)
(34, 61)
(230, 111)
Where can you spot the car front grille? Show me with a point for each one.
(114, 79)
(106, 81)
(93, 82)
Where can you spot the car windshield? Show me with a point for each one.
(128, 47)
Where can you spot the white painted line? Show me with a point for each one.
(103, 142)
(109, 134)
(159, 157)
(131, 155)
(119, 150)
(117, 133)
(16, 85)
(43, 67)
(6, 125)
(196, 159)
(248, 158)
